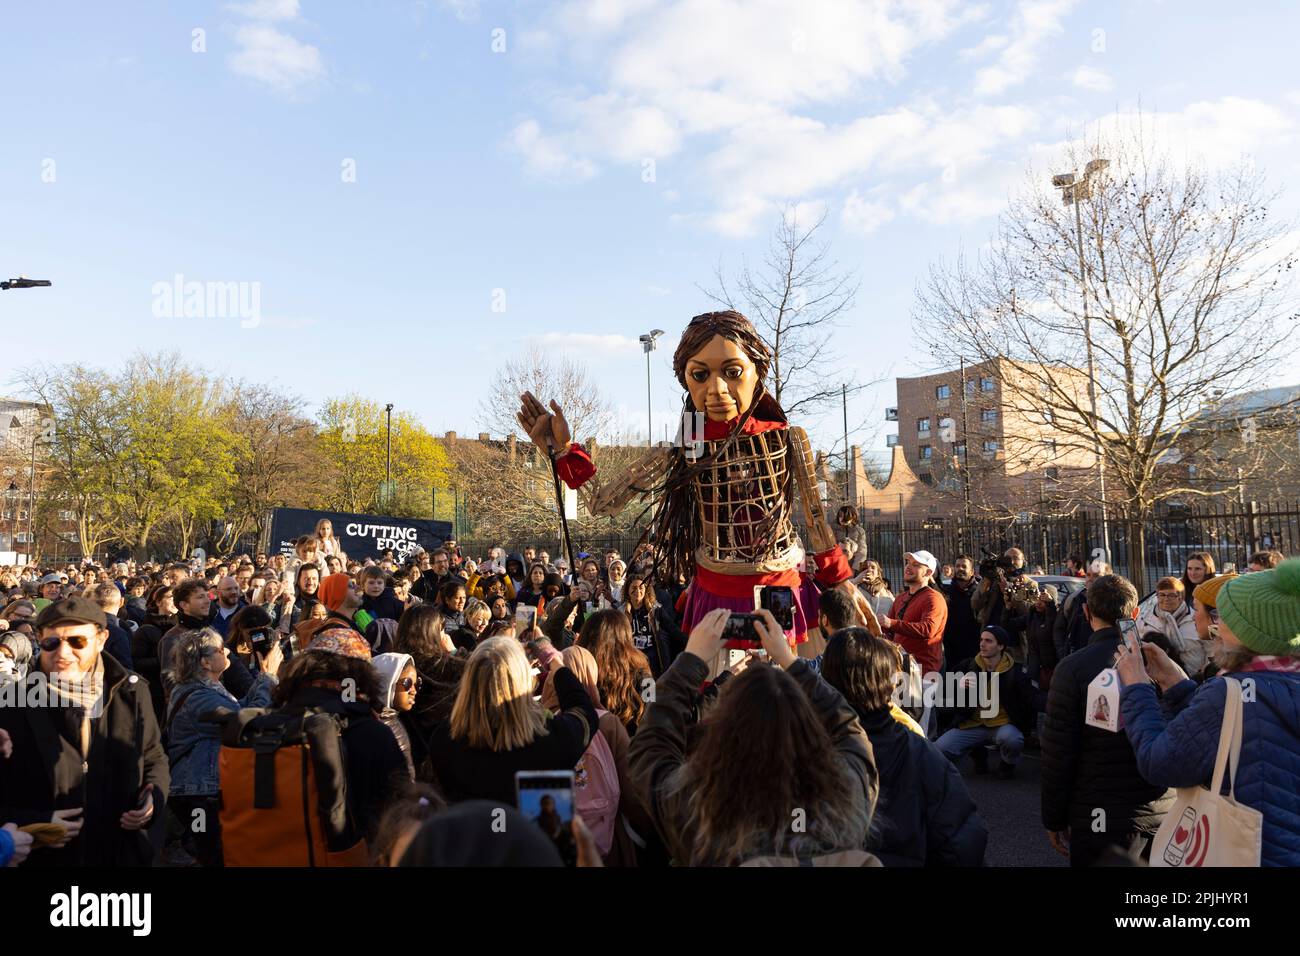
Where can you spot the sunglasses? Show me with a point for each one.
(407, 683)
(77, 642)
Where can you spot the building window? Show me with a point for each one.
(925, 452)
(959, 450)
(926, 478)
(65, 515)
(22, 537)
(988, 415)
(990, 447)
(987, 385)
(970, 387)
(875, 512)
(923, 426)
(1049, 416)
(943, 391)
(1053, 474)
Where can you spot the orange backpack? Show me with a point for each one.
(284, 791)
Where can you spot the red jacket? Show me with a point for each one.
(919, 621)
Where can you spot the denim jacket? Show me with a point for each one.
(193, 745)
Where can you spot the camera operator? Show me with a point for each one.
(990, 602)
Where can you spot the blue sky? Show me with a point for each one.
(126, 157)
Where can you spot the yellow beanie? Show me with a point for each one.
(1207, 592)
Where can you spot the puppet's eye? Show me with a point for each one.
(700, 375)
(734, 371)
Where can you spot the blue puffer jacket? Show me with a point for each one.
(1177, 748)
(194, 745)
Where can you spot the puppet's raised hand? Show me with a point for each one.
(548, 430)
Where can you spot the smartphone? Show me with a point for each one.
(526, 615)
(741, 632)
(546, 798)
(779, 601)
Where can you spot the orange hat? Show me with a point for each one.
(1207, 592)
(333, 589)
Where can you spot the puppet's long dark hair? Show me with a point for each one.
(675, 527)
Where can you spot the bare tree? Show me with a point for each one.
(796, 300)
(549, 377)
(279, 460)
(1175, 277)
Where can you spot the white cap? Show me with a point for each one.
(923, 557)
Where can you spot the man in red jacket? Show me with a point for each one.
(917, 619)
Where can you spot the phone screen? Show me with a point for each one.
(546, 798)
(780, 602)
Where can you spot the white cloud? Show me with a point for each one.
(1035, 22)
(738, 77)
(1213, 132)
(269, 56)
(864, 216)
(546, 156)
(1092, 79)
(658, 290)
(267, 9)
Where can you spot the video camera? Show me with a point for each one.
(992, 562)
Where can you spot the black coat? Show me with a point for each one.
(375, 765)
(439, 684)
(469, 773)
(45, 774)
(961, 635)
(1086, 769)
(925, 815)
(1039, 631)
(144, 654)
(118, 645)
(386, 605)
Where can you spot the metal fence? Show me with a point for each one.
(1229, 531)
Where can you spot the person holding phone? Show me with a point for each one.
(729, 802)
(93, 762)
(498, 728)
(193, 744)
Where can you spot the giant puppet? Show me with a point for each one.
(723, 501)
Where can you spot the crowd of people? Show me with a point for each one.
(145, 709)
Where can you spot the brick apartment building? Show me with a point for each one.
(978, 430)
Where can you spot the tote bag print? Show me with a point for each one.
(1206, 828)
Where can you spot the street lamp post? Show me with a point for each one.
(648, 343)
(1073, 190)
(388, 456)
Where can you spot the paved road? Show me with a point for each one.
(1011, 811)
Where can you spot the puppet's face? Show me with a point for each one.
(721, 379)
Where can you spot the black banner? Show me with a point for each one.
(362, 536)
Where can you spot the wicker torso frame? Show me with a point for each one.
(744, 500)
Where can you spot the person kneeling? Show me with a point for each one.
(977, 722)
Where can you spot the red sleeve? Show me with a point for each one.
(575, 466)
(832, 567)
(927, 628)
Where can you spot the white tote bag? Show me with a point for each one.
(1206, 828)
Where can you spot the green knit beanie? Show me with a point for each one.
(1263, 609)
